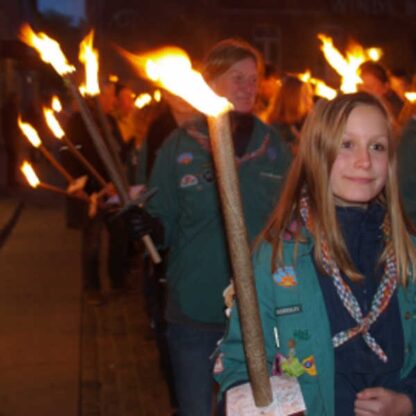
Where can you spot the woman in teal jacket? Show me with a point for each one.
(187, 206)
(334, 271)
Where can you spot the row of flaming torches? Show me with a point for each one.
(172, 70)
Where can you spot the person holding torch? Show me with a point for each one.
(335, 271)
(187, 208)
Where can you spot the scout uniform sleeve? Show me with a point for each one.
(164, 204)
(407, 169)
(230, 367)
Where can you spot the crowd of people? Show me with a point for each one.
(329, 203)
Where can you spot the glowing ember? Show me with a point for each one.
(48, 49)
(113, 78)
(142, 100)
(89, 57)
(410, 96)
(374, 54)
(157, 95)
(53, 123)
(82, 90)
(30, 133)
(171, 68)
(30, 174)
(56, 104)
(305, 76)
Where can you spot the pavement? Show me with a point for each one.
(60, 355)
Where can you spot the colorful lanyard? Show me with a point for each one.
(380, 301)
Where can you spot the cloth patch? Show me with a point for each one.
(285, 277)
(185, 158)
(288, 310)
(188, 180)
(309, 365)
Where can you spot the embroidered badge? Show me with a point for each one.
(219, 366)
(185, 158)
(188, 180)
(292, 366)
(271, 153)
(285, 277)
(288, 310)
(309, 365)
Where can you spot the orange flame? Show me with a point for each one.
(113, 78)
(56, 104)
(142, 100)
(53, 123)
(410, 96)
(48, 49)
(323, 90)
(30, 174)
(347, 67)
(89, 57)
(30, 133)
(171, 68)
(319, 86)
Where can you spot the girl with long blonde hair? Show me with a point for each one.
(335, 268)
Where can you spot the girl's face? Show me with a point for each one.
(359, 172)
(239, 85)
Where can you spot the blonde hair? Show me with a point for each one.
(320, 140)
(291, 103)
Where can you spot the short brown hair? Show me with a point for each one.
(225, 54)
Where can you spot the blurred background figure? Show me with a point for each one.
(376, 81)
(92, 225)
(268, 87)
(406, 160)
(132, 130)
(400, 82)
(289, 108)
(185, 215)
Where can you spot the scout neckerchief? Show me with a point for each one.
(380, 301)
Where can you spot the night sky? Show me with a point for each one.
(73, 8)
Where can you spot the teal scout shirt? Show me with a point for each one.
(407, 169)
(187, 203)
(292, 302)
